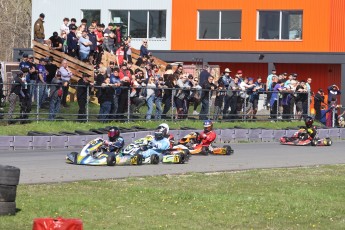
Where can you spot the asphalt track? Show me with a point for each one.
(43, 166)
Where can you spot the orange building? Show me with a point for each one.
(306, 37)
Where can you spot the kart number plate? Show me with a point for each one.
(134, 160)
(176, 158)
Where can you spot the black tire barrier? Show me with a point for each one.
(64, 133)
(9, 175)
(9, 179)
(8, 193)
(37, 133)
(98, 131)
(187, 128)
(7, 208)
(83, 132)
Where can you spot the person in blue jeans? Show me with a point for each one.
(55, 96)
(150, 96)
(106, 99)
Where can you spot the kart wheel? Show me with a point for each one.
(204, 151)
(186, 153)
(75, 157)
(314, 142)
(229, 150)
(182, 158)
(154, 159)
(139, 158)
(111, 159)
(329, 141)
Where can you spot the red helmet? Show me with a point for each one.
(113, 133)
(309, 121)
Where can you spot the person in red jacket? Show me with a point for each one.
(206, 137)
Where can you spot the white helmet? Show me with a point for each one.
(166, 126)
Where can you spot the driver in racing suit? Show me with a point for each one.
(310, 130)
(116, 142)
(206, 137)
(168, 135)
(159, 144)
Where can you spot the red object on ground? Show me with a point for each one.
(57, 224)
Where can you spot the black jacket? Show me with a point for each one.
(207, 88)
(82, 89)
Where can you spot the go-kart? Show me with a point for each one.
(302, 138)
(191, 142)
(177, 154)
(96, 153)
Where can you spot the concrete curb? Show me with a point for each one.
(223, 136)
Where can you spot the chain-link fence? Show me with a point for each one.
(40, 102)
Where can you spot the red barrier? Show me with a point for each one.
(57, 224)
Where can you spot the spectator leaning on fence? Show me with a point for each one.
(207, 87)
(66, 75)
(18, 84)
(319, 99)
(106, 98)
(116, 82)
(42, 82)
(83, 89)
(55, 95)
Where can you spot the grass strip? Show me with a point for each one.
(295, 198)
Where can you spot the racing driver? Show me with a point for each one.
(160, 143)
(206, 137)
(116, 142)
(310, 129)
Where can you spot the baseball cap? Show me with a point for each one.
(239, 71)
(25, 55)
(227, 70)
(42, 15)
(250, 79)
(30, 56)
(73, 27)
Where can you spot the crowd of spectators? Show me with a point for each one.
(121, 88)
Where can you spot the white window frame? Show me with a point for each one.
(280, 26)
(147, 21)
(220, 27)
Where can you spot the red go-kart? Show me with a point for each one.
(302, 138)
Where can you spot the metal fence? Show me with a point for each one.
(36, 103)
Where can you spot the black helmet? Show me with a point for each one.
(208, 126)
(160, 132)
(113, 133)
(309, 121)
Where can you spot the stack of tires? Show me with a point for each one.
(9, 178)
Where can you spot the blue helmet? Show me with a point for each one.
(208, 126)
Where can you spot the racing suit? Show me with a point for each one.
(311, 131)
(115, 146)
(157, 147)
(206, 139)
